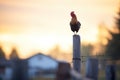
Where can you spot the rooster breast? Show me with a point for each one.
(75, 27)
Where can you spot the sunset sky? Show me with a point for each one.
(39, 25)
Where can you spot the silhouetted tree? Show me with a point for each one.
(102, 38)
(86, 49)
(19, 66)
(118, 21)
(14, 54)
(57, 53)
(2, 54)
(113, 46)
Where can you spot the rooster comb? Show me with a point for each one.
(72, 13)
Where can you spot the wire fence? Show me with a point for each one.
(99, 57)
(65, 72)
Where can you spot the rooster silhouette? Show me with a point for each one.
(74, 23)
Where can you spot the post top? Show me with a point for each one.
(75, 35)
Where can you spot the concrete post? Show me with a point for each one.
(110, 72)
(92, 68)
(76, 54)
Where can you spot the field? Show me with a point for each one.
(40, 78)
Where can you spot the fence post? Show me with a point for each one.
(92, 68)
(76, 53)
(110, 72)
(63, 71)
(20, 69)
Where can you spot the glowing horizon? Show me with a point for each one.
(39, 25)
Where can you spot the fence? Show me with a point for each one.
(65, 72)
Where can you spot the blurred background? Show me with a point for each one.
(29, 27)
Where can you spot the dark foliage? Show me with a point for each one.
(2, 54)
(113, 46)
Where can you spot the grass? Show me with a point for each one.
(40, 78)
(101, 75)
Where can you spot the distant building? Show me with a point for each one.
(35, 66)
(41, 64)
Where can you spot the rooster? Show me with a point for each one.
(74, 23)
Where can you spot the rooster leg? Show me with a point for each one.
(74, 32)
